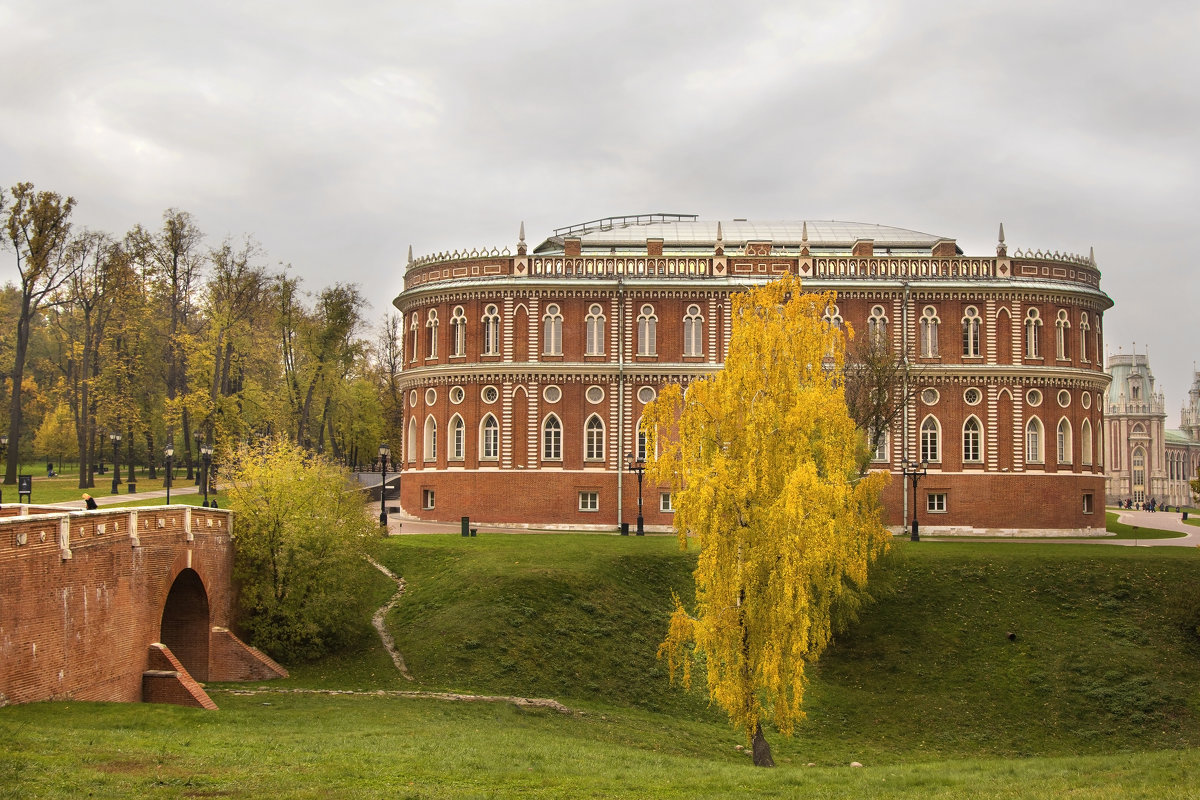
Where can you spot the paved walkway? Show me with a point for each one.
(1158, 520)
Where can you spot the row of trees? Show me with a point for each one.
(163, 336)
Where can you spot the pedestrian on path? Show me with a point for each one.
(89, 501)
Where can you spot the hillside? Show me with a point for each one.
(1100, 658)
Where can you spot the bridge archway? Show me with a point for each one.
(185, 623)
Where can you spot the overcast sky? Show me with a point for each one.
(339, 134)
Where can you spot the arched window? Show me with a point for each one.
(491, 331)
(413, 330)
(647, 330)
(1139, 472)
(457, 438)
(1033, 441)
(430, 453)
(693, 332)
(458, 332)
(489, 438)
(1064, 441)
(1033, 326)
(972, 441)
(641, 441)
(931, 440)
(929, 332)
(1084, 328)
(879, 452)
(1061, 328)
(412, 439)
(431, 325)
(593, 439)
(1085, 442)
(595, 330)
(970, 332)
(552, 331)
(552, 439)
(877, 326)
(1135, 391)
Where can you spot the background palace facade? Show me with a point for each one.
(1146, 460)
(526, 373)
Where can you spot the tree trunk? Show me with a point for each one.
(762, 750)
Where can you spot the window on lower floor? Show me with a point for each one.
(664, 503)
(1087, 503)
(935, 502)
(427, 498)
(589, 501)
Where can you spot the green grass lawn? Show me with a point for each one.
(1095, 695)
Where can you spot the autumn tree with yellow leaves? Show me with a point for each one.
(761, 460)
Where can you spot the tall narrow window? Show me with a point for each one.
(1033, 331)
(1139, 473)
(1064, 441)
(593, 441)
(1084, 329)
(430, 439)
(693, 332)
(1033, 441)
(552, 331)
(412, 439)
(641, 442)
(647, 329)
(457, 438)
(552, 439)
(929, 332)
(1085, 443)
(972, 441)
(970, 332)
(594, 324)
(491, 331)
(431, 326)
(458, 332)
(489, 444)
(1062, 327)
(877, 326)
(413, 330)
(931, 445)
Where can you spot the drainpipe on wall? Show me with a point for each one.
(620, 400)
(904, 411)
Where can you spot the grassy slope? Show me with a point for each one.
(1100, 660)
(927, 690)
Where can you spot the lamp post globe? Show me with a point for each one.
(384, 452)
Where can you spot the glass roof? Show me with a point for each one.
(703, 233)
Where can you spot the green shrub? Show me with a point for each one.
(299, 542)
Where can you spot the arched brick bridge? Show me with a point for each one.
(119, 605)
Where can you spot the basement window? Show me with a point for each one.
(935, 502)
(1087, 503)
(589, 501)
(427, 498)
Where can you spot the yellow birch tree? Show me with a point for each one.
(761, 460)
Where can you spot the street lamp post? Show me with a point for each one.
(170, 453)
(638, 467)
(914, 471)
(197, 436)
(384, 452)
(205, 466)
(115, 438)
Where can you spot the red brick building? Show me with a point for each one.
(526, 373)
